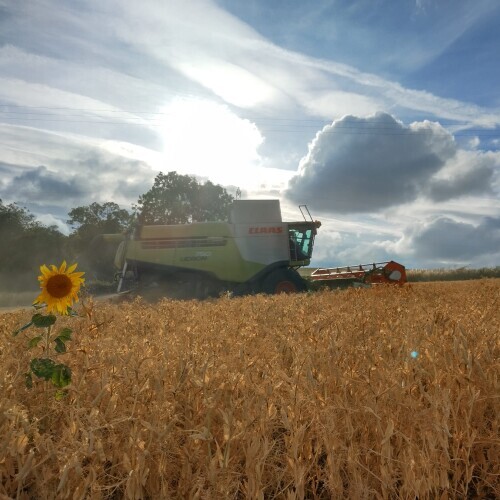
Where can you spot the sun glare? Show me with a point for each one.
(207, 139)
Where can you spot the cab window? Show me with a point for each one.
(301, 243)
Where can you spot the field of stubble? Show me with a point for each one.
(367, 393)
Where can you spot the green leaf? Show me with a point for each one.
(24, 327)
(28, 380)
(42, 367)
(65, 334)
(61, 375)
(60, 345)
(34, 341)
(41, 321)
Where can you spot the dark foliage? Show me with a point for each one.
(180, 199)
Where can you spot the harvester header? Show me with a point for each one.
(376, 273)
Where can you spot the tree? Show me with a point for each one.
(180, 199)
(88, 223)
(90, 220)
(14, 219)
(42, 244)
(25, 245)
(93, 220)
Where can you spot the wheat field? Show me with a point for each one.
(383, 393)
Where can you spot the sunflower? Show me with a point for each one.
(60, 287)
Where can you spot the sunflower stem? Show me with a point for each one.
(47, 340)
(45, 424)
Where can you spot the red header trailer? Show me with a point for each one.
(376, 273)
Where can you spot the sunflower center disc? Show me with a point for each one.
(59, 286)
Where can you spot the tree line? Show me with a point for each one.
(26, 243)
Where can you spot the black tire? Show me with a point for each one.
(283, 280)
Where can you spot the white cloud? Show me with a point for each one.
(365, 165)
(36, 95)
(50, 220)
(467, 174)
(228, 57)
(54, 170)
(339, 103)
(435, 241)
(447, 241)
(232, 83)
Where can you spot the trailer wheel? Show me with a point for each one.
(283, 281)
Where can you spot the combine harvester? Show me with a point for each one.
(254, 252)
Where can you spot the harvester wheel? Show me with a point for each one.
(284, 281)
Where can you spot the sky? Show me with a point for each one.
(382, 116)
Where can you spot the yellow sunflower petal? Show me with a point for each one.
(45, 270)
(62, 268)
(72, 268)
